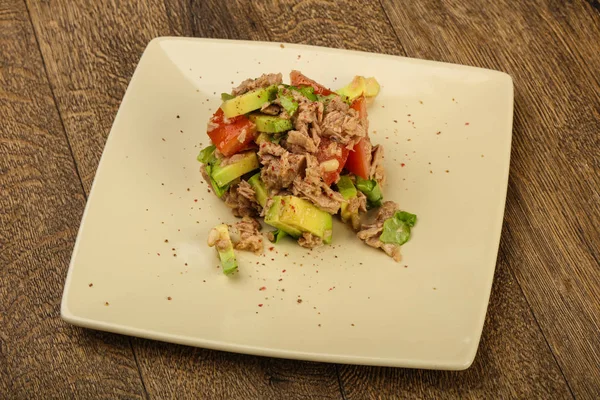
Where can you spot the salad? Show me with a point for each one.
(298, 155)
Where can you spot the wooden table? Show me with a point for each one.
(64, 67)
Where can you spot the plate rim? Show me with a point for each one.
(464, 363)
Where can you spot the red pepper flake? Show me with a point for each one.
(91, 284)
(260, 305)
(438, 132)
(272, 259)
(406, 266)
(174, 255)
(262, 288)
(158, 254)
(169, 298)
(280, 279)
(299, 301)
(283, 271)
(185, 264)
(271, 248)
(467, 123)
(402, 164)
(396, 121)
(195, 200)
(166, 240)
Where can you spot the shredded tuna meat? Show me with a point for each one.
(310, 241)
(239, 204)
(342, 123)
(369, 233)
(245, 190)
(270, 109)
(263, 81)
(249, 238)
(280, 167)
(300, 142)
(355, 206)
(313, 189)
(376, 170)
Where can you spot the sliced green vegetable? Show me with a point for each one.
(277, 235)
(226, 96)
(208, 158)
(259, 189)
(207, 155)
(225, 174)
(219, 190)
(371, 190)
(270, 123)
(397, 229)
(295, 215)
(219, 237)
(348, 191)
(247, 102)
(306, 91)
(288, 103)
(346, 187)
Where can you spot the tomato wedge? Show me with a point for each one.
(298, 79)
(359, 159)
(231, 135)
(330, 150)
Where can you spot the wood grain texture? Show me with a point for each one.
(190, 373)
(41, 202)
(91, 49)
(552, 244)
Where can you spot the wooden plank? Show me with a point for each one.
(192, 373)
(553, 208)
(41, 202)
(91, 50)
(170, 369)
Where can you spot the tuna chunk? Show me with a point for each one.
(342, 123)
(241, 206)
(313, 189)
(310, 241)
(280, 166)
(248, 236)
(377, 171)
(263, 81)
(369, 233)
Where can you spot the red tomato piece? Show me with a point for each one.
(359, 159)
(231, 135)
(298, 79)
(331, 150)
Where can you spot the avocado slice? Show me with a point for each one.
(369, 87)
(270, 123)
(219, 237)
(247, 102)
(348, 191)
(302, 216)
(259, 188)
(272, 217)
(222, 175)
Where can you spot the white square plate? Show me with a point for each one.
(141, 266)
